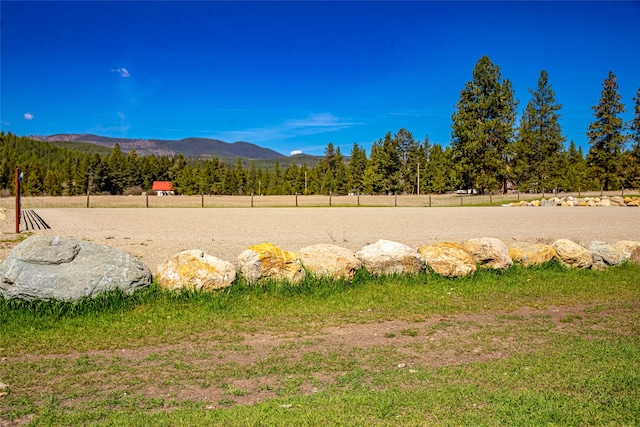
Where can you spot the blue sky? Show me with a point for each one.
(298, 75)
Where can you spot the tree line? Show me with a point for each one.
(488, 152)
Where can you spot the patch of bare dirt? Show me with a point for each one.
(222, 375)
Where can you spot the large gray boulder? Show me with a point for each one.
(604, 254)
(67, 269)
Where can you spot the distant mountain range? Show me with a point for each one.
(188, 147)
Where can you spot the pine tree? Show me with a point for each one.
(483, 128)
(539, 146)
(633, 175)
(606, 137)
(357, 166)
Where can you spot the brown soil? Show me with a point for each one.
(413, 346)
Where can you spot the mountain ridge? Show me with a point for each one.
(188, 147)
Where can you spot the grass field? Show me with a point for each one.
(538, 346)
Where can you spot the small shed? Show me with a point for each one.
(163, 188)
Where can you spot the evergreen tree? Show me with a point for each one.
(253, 175)
(117, 166)
(575, 169)
(482, 130)
(385, 161)
(633, 170)
(606, 137)
(357, 166)
(539, 146)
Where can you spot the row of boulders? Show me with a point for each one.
(584, 201)
(68, 269)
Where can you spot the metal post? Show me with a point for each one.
(202, 202)
(17, 190)
(251, 199)
(329, 198)
(461, 200)
(147, 198)
(429, 200)
(491, 197)
(623, 191)
(578, 191)
(395, 201)
(358, 199)
(296, 199)
(601, 190)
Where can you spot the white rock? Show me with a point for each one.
(387, 257)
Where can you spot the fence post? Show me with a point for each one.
(358, 199)
(296, 199)
(490, 196)
(518, 194)
(202, 201)
(461, 200)
(147, 198)
(251, 199)
(578, 191)
(429, 200)
(17, 190)
(601, 190)
(395, 201)
(622, 191)
(329, 198)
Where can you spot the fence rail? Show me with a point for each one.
(205, 201)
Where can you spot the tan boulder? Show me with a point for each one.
(626, 246)
(635, 256)
(268, 262)
(330, 260)
(572, 254)
(617, 201)
(195, 270)
(448, 259)
(532, 254)
(535, 203)
(387, 257)
(489, 252)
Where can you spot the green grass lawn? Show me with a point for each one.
(537, 346)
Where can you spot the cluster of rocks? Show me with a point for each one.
(68, 269)
(583, 201)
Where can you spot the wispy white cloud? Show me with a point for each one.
(313, 124)
(122, 71)
(28, 116)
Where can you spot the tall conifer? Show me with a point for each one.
(606, 136)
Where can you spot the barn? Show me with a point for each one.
(163, 188)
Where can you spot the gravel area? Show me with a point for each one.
(156, 234)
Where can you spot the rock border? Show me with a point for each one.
(194, 269)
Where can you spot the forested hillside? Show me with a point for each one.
(489, 151)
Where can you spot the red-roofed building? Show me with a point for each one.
(163, 188)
